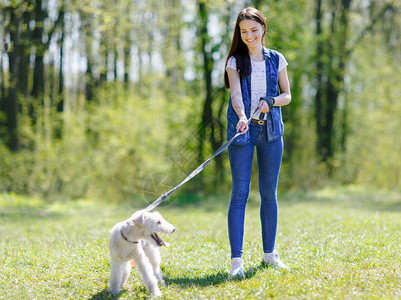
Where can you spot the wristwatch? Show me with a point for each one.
(273, 100)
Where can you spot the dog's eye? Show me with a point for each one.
(159, 222)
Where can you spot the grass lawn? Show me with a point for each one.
(339, 245)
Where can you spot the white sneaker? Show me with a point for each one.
(237, 269)
(273, 260)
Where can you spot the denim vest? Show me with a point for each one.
(275, 125)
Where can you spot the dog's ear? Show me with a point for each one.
(139, 218)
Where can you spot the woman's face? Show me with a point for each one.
(251, 33)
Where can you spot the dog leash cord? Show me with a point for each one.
(199, 169)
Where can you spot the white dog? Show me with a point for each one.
(136, 238)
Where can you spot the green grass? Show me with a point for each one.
(339, 245)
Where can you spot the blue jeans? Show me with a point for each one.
(269, 155)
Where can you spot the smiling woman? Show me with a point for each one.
(251, 25)
(258, 83)
(252, 34)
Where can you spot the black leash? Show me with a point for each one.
(199, 169)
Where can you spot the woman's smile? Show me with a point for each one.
(251, 32)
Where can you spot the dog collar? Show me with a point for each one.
(121, 231)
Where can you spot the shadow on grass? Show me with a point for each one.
(212, 279)
(208, 280)
(105, 294)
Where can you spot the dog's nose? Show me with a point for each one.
(173, 230)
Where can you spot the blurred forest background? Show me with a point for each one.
(122, 99)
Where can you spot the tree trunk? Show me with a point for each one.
(331, 60)
(208, 122)
(88, 39)
(2, 85)
(38, 73)
(104, 57)
(60, 103)
(89, 80)
(115, 63)
(24, 53)
(2, 92)
(172, 44)
(11, 103)
(127, 58)
(319, 81)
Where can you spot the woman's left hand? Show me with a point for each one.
(263, 107)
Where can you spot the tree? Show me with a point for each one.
(15, 51)
(334, 45)
(208, 122)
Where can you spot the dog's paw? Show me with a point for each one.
(160, 279)
(162, 282)
(114, 292)
(157, 293)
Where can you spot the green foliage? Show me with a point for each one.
(373, 150)
(141, 139)
(109, 150)
(340, 244)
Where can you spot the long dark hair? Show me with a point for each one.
(238, 48)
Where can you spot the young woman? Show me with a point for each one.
(257, 79)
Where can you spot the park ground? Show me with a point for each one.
(339, 243)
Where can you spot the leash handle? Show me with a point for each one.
(195, 172)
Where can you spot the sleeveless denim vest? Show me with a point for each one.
(275, 125)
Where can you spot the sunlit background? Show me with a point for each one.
(122, 99)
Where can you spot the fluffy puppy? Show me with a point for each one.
(136, 238)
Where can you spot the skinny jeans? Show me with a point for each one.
(269, 157)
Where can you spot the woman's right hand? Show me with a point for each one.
(242, 125)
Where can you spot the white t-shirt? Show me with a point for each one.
(258, 78)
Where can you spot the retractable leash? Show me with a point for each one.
(199, 169)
